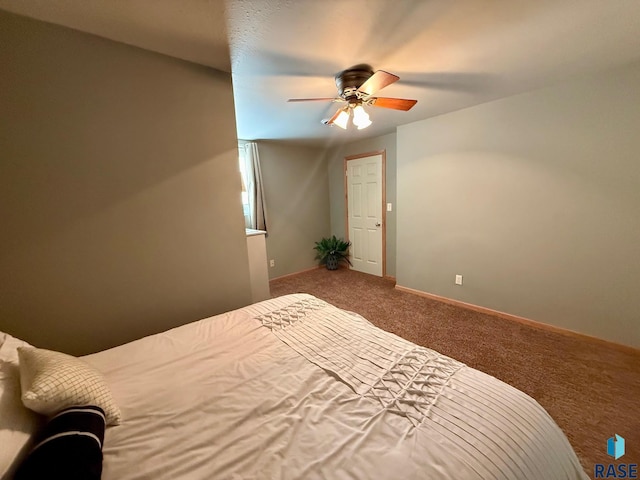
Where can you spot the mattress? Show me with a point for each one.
(294, 388)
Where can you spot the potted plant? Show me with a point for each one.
(331, 251)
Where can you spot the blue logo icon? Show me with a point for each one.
(615, 446)
(615, 449)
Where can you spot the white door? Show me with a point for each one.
(364, 213)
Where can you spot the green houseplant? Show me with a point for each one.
(331, 251)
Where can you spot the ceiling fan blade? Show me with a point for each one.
(394, 103)
(325, 99)
(377, 82)
(335, 115)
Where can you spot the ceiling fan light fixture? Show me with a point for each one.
(361, 117)
(342, 119)
(364, 124)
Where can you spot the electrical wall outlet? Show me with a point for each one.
(458, 279)
(272, 263)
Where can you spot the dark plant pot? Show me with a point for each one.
(332, 263)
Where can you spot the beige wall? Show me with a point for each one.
(535, 199)
(336, 157)
(297, 197)
(119, 190)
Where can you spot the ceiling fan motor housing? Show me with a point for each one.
(350, 80)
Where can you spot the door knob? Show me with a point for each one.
(378, 224)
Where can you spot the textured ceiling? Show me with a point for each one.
(449, 55)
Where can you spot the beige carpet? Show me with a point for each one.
(591, 389)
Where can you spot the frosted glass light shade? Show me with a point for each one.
(360, 118)
(342, 120)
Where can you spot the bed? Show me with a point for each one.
(295, 388)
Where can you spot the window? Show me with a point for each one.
(245, 181)
(253, 203)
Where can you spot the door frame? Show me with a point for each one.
(383, 166)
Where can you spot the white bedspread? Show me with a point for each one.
(294, 388)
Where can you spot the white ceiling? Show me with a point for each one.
(448, 54)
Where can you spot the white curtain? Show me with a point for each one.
(257, 208)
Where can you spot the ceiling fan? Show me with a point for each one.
(356, 87)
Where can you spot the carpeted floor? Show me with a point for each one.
(591, 390)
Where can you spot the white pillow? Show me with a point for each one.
(18, 424)
(52, 381)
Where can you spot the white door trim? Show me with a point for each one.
(383, 175)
